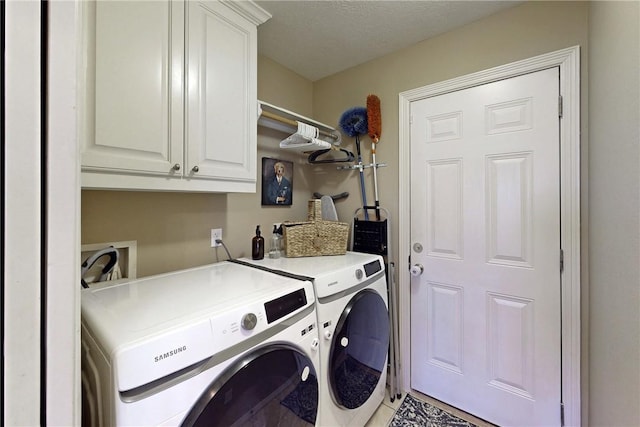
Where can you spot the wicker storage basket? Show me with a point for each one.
(315, 238)
(314, 210)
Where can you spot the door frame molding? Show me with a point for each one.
(568, 60)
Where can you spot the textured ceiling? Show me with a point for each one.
(319, 38)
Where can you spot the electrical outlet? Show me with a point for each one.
(216, 233)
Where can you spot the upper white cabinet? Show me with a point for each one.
(134, 101)
(171, 95)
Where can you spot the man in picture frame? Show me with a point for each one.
(277, 187)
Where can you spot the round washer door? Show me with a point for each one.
(274, 385)
(359, 349)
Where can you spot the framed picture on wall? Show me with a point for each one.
(277, 182)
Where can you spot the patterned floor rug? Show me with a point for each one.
(414, 412)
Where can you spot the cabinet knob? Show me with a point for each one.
(176, 167)
(195, 169)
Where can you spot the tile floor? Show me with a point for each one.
(383, 416)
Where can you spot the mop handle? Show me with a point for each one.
(362, 189)
(375, 179)
(374, 128)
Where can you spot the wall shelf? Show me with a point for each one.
(286, 121)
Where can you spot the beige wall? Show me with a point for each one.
(608, 35)
(517, 33)
(173, 229)
(278, 86)
(614, 207)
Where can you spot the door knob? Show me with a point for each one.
(416, 270)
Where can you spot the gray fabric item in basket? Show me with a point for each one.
(328, 209)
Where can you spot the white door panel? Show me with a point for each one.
(485, 322)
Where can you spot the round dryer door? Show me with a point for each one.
(359, 349)
(274, 385)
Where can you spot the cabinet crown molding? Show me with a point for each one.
(248, 9)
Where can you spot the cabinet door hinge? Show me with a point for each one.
(561, 414)
(561, 261)
(560, 106)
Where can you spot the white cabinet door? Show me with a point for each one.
(221, 81)
(134, 102)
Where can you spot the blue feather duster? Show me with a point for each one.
(353, 122)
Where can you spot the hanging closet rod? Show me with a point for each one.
(294, 123)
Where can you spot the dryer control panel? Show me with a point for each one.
(372, 268)
(347, 277)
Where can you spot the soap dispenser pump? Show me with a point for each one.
(274, 251)
(257, 245)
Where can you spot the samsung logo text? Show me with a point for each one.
(170, 353)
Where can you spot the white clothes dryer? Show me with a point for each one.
(353, 322)
(219, 345)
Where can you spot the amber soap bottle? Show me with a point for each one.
(257, 245)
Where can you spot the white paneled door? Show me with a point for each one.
(485, 227)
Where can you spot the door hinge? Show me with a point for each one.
(560, 106)
(561, 261)
(561, 414)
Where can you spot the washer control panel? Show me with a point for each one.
(238, 324)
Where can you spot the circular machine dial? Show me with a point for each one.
(249, 321)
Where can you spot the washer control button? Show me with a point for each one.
(249, 321)
(359, 274)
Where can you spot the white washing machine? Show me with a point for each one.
(353, 322)
(219, 345)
